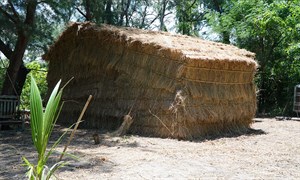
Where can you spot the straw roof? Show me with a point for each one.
(173, 85)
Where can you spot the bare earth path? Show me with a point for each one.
(272, 154)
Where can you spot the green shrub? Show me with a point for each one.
(39, 73)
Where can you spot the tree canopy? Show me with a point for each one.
(271, 30)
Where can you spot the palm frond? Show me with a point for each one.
(37, 123)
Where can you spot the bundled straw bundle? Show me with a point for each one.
(172, 85)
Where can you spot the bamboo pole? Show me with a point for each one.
(76, 126)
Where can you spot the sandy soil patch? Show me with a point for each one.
(271, 152)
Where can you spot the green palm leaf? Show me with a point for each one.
(42, 123)
(37, 123)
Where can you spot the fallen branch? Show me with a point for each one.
(127, 121)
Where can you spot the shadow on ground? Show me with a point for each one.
(15, 144)
(247, 132)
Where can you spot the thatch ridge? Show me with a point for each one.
(126, 68)
(167, 44)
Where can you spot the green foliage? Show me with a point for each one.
(141, 14)
(271, 29)
(49, 16)
(39, 72)
(42, 123)
(3, 66)
(215, 11)
(189, 16)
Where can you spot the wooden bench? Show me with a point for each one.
(9, 107)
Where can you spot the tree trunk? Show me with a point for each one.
(21, 78)
(226, 37)
(126, 13)
(108, 12)
(122, 14)
(262, 95)
(13, 80)
(162, 12)
(9, 86)
(88, 15)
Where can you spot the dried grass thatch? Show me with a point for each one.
(174, 85)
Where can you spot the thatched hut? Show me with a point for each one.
(172, 85)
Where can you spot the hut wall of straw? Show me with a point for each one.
(172, 85)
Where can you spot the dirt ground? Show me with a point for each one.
(271, 152)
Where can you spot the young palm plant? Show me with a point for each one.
(42, 123)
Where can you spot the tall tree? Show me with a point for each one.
(87, 5)
(189, 16)
(26, 25)
(142, 14)
(271, 30)
(23, 28)
(218, 7)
